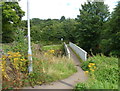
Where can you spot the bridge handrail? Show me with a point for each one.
(67, 51)
(81, 53)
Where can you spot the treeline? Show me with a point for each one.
(95, 29)
(52, 30)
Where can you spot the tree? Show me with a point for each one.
(69, 26)
(112, 36)
(91, 19)
(62, 18)
(11, 18)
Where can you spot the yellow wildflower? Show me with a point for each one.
(51, 51)
(89, 65)
(9, 56)
(23, 59)
(45, 53)
(94, 67)
(86, 72)
(3, 69)
(39, 82)
(19, 55)
(93, 64)
(14, 55)
(3, 62)
(15, 59)
(9, 52)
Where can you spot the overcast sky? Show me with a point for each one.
(54, 9)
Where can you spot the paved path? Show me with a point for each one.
(67, 83)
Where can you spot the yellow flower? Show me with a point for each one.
(9, 56)
(3, 69)
(14, 55)
(51, 51)
(86, 72)
(39, 82)
(45, 53)
(9, 52)
(93, 64)
(94, 67)
(23, 59)
(15, 59)
(19, 55)
(89, 65)
(3, 62)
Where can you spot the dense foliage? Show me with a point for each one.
(110, 42)
(11, 18)
(51, 31)
(91, 19)
(103, 72)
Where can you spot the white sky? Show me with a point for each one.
(54, 9)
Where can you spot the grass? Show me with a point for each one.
(105, 76)
(55, 68)
(50, 47)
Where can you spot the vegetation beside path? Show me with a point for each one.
(48, 66)
(102, 71)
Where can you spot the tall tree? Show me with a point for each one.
(11, 17)
(113, 32)
(91, 19)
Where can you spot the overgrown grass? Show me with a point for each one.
(54, 47)
(54, 68)
(47, 67)
(104, 74)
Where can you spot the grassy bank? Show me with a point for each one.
(48, 65)
(102, 72)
